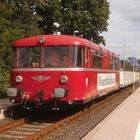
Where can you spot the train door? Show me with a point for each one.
(105, 60)
(96, 70)
(87, 73)
(87, 57)
(87, 66)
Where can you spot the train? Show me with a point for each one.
(60, 70)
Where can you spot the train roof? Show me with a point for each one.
(60, 40)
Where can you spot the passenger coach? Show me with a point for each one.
(56, 69)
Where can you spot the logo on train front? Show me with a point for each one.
(41, 78)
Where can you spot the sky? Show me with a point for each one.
(123, 36)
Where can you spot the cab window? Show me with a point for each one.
(29, 57)
(56, 56)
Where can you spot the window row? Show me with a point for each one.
(97, 60)
(61, 56)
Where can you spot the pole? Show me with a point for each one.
(124, 62)
(133, 78)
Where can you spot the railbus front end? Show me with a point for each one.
(45, 73)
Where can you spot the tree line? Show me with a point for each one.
(22, 18)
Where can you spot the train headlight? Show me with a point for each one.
(19, 79)
(64, 79)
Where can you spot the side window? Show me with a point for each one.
(112, 62)
(118, 63)
(96, 59)
(78, 56)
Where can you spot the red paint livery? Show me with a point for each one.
(52, 69)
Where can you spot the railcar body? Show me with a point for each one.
(128, 78)
(59, 69)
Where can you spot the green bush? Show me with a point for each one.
(4, 82)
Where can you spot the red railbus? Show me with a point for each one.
(50, 70)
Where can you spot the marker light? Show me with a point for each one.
(19, 79)
(42, 40)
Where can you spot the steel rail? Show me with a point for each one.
(50, 128)
(12, 124)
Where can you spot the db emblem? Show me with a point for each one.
(41, 78)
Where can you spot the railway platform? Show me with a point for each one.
(122, 124)
(4, 103)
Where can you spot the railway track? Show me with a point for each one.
(21, 129)
(24, 129)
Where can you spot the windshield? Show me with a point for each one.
(29, 57)
(56, 56)
(50, 57)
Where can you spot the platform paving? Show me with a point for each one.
(4, 102)
(122, 124)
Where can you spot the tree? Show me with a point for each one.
(21, 18)
(50, 13)
(89, 17)
(5, 14)
(18, 19)
(25, 17)
(139, 61)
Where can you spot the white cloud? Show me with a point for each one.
(124, 24)
(133, 16)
